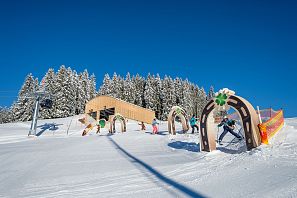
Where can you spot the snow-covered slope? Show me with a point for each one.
(138, 164)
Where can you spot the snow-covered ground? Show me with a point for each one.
(138, 164)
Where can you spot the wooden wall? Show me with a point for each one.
(128, 110)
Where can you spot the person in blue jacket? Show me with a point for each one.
(193, 124)
(228, 126)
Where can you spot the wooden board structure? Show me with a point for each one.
(126, 109)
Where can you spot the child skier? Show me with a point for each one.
(142, 126)
(98, 128)
(228, 126)
(155, 126)
(193, 124)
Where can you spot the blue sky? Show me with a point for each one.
(247, 46)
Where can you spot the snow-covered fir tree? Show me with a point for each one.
(92, 85)
(121, 82)
(139, 83)
(71, 86)
(186, 101)
(49, 85)
(168, 96)
(23, 108)
(158, 96)
(79, 93)
(149, 92)
(106, 87)
(63, 93)
(210, 94)
(86, 85)
(5, 115)
(178, 90)
(117, 86)
(129, 89)
(201, 101)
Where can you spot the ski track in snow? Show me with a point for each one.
(139, 164)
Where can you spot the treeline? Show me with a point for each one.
(70, 91)
(157, 94)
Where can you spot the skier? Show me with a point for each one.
(98, 128)
(228, 126)
(142, 126)
(193, 124)
(155, 126)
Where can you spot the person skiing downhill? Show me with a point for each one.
(228, 126)
(193, 124)
(98, 128)
(155, 126)
(142, 126)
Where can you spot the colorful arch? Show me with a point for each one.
(177, 111)
(114, 119)
(248, 118)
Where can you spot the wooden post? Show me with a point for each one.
(259, 115)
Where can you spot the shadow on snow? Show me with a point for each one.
(180, 187)
(48, 126)
(189, 146)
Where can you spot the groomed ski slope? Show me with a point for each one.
(138, 164)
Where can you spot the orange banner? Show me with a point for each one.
(269, 128)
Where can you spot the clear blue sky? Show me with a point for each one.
(247, 46)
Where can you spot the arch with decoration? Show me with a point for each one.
(177, 111)
(223, 101)
(120, 118)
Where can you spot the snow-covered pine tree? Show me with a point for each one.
(193, 96)
(70, 87)
(186, 101)
(148, 93)
(168, 96)
(106, 87)
(129, 89)
(158, 95)
(86, 85)
(139, 83)
(5, 115)
(121, 82)
(116, 88)
(92, 85)
(201, 101)
(49, 86)
(23, 108)
(152, 97)
(178, 90)
(194, 99)
(62, 93)
(211, 93)
(79, 94)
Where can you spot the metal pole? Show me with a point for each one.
(69, 125)
(35, 117)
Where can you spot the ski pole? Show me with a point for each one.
(218, 134)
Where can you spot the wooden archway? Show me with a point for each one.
(113, 119)
(177, 111)
(248, 117)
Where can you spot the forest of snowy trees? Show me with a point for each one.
(156, 94)
(70, 91)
